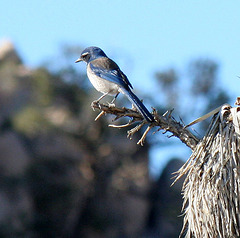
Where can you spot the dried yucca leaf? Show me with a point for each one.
(211, 190)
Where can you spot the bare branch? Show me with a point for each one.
(141, 141)
(166, 122)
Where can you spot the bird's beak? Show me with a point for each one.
(79, 60)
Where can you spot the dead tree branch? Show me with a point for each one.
(166, 123)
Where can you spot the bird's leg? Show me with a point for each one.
(98, 100)
(115, 98)
(112, 104)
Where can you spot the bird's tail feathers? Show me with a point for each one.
(138, 104)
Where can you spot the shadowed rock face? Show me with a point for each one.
(64, 175)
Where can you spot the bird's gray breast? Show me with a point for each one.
(102, 85)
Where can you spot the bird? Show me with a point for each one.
(107, 78)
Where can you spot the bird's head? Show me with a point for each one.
(90, 54)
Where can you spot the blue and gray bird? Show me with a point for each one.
(107, 78)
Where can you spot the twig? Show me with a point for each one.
(121, 126)
(141, 141)
(99, 115)
(134, 130)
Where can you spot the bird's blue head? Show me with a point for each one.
(90, 54)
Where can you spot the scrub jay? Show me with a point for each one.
(107, 78)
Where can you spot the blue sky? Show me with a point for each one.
(142, 36)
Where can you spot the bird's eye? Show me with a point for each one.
(84, 55)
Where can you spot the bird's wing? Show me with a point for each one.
(109, 70)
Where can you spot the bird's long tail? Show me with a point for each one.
(138, 104)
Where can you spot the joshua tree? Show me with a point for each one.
(212, 186)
